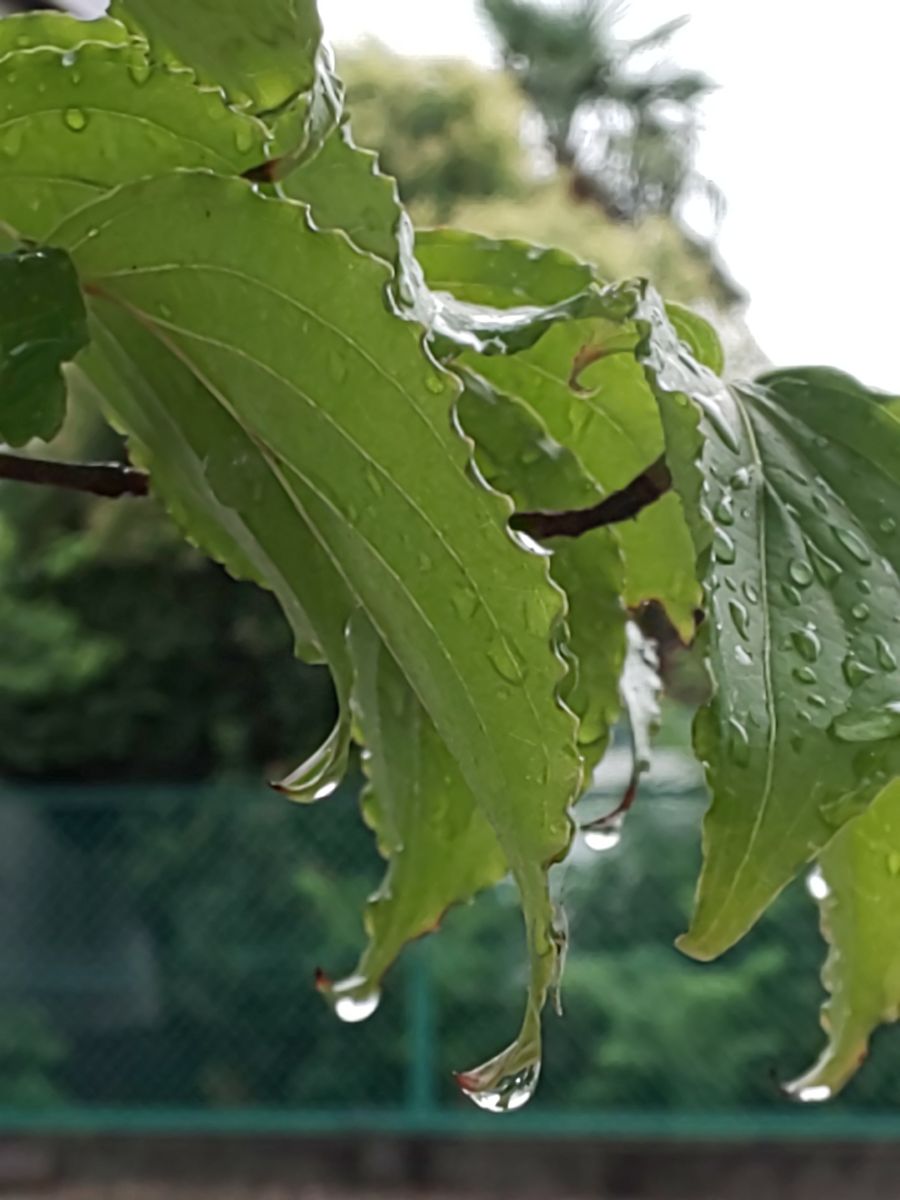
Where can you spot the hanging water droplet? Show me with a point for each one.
(805, 675)
(860, 612)
(527, 543)
(724, 510)
(326, 790)
(801, 572)
(817, 885)
(852, 544)
(751, 592)
(740, 617)
(505, 661)
(75, 119)
(887, 660)
(855, 672)
(604, 835)
(353, 1009)
(807, 644)
(814, 1094)
(511, 1092)
(723, 547)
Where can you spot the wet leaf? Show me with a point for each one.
(861, 922)
(440, 848)
(802, 581)
(263, 54)
(105, 117)
(43, 325)
(353, 422)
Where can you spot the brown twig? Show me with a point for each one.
(649, 486)
(99, 479)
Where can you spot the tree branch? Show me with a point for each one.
(99, 479)
(620, 506)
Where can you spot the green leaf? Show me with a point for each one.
(57, 31)
(43, 324)
(78, 122)
(263, 54)
(345, 190)
(802, 571)
(354, 422)
(440, 847)
(860, 906)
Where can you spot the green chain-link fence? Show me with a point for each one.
(158, 946)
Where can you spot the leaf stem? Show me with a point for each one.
(643, 491)
(99, 479)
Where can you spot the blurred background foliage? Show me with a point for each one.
(130, 660)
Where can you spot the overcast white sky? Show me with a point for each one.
(802, 137)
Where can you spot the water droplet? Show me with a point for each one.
(604, 835)
(801, 572)
(741, 479)
(828, 571)
(820, 503)
(326, 790)
(435, 385)
(506, 662)
(855, 672)
(525, 542)
(817, 885)
(852, 544)
(887, 660)
(723, 547)
(893, 863)
(740, 617)
(818, 701)
(12, 140)
(69, 58)
(860, 612)
(814, 1094)
(465, 602)
(140, 72)
(509, 1093)
(75, 119)
(751, 592)
(354, 1009)
(805, 675)
(887, 525)
(743, 657)
(863, 585)
(738, 742)
(872, 725)
(165, 312)
(791, 594)
(807, 644)
(724, 511)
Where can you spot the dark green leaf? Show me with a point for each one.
(43, 324)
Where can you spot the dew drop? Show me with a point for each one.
(511, 1092)
(805, 675)
(435, 385)
(12, 140)
(326, 790)
(69, 58)
(863, 585)
(801, 572)
(855, 672)
(888, 525)
(723, 547)
(741, 479)
(724, 511)
(465, 602)
(604, 835)
(740, 617)
(140, 72)
(742, 657)
(807, 644)
(852, 544)
(820, 503)
(860, 612)
(887, 660)
(505, 661)
(75, 119)
(814, 1094)
(738, 742)
(791, 594)
(527, 543)
(818, 701)
(751, 592)
(873, 725)
(817, 885)
(827, 570)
